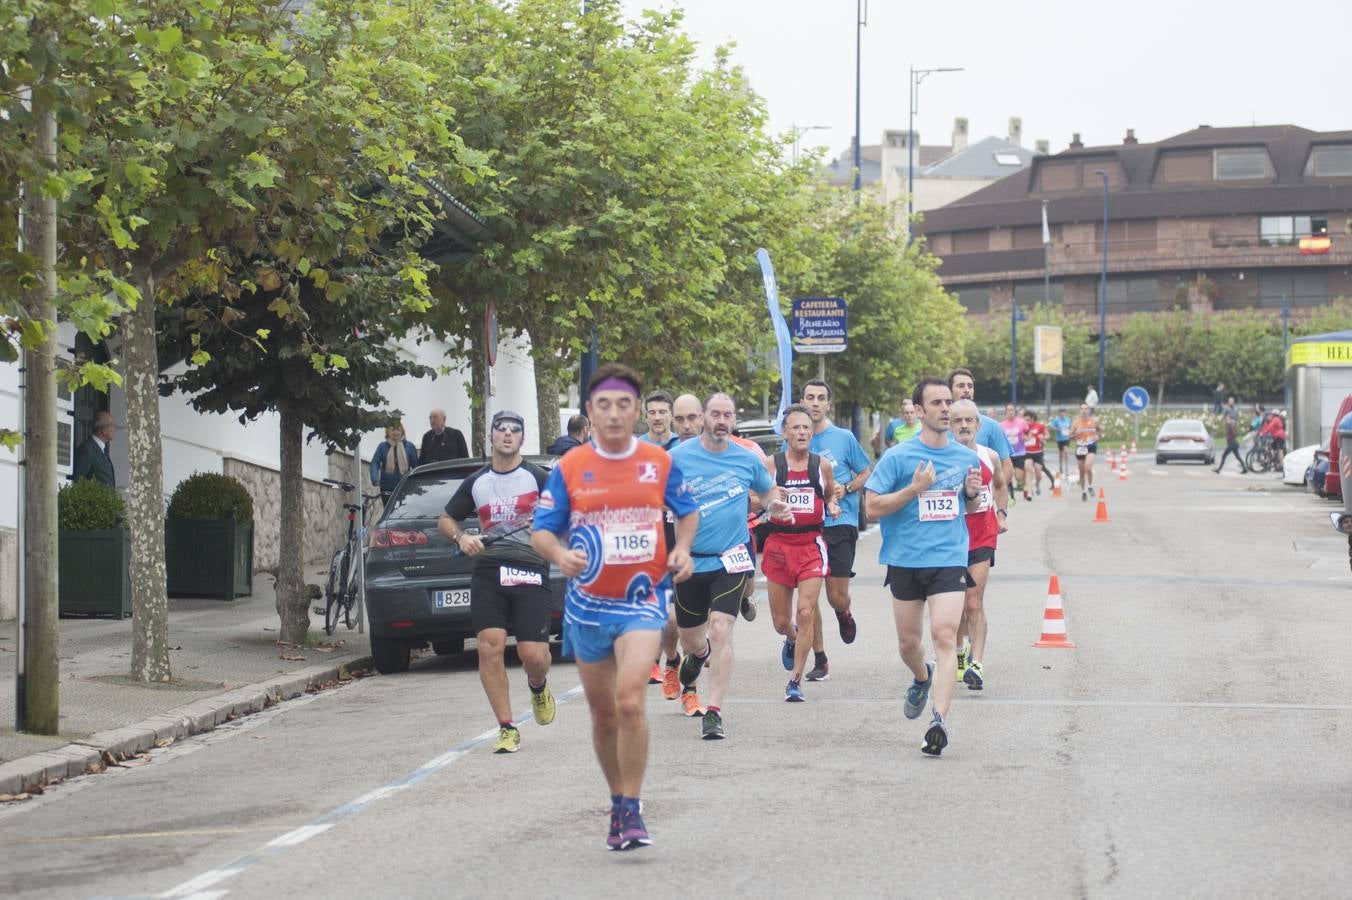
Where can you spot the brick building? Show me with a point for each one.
(1214, 218)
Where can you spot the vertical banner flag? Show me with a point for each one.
(782, 337)
(1046, 230)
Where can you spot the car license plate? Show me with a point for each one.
(450, 599)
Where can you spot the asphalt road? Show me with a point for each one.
(1194, 744)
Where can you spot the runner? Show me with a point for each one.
(983, 529)
(897, 430)
(659, 410)
(1015, 428)
(1060, 424)
(607, 498)
(754, 510)
(1085, 431)
(1035, 446)
(720, 476)
(510, 585)
(688, 417)
(918, 494)
(795, 552)
(963, 386)
(849, 469)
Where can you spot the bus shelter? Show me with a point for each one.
(1319, 376)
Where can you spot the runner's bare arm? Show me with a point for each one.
(570, 562)
(679, 562)
(972, 489)
(832, 491)
(469, 544)
(879, 505)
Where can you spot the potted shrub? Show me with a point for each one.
(92, 551)
(208, 538)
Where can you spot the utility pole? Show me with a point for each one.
(40, 704)
(860, 20)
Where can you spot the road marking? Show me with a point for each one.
(1157, 473)
(193, 887)
(134, 835)
(987, 700)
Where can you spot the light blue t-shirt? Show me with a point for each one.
(990, 434)
(671, 441)
(718, 483)
(930, 531)
(1061, 425)
(840, 447)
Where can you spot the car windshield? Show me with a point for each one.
(423, 495)
(1183, 426)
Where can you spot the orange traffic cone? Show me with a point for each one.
(1054, 619)
(1112, 460)
(1122, 468)
(1133, 445)
(1101, 514)
(1056, 488)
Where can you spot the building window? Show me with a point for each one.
(1184, 168)
(1031, 293)
(1243, 164)
(971, 241)
(974, 299)
(1296, 287)
(1133, 294)
(1128, 234)
(1330, 162)
(1059, 177)
(1282, 231)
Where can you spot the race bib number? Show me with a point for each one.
(1081, 449)
(800, 501)
(983, 500)
(938, 506)
(630, 544)
(736, 560)
(510, 576)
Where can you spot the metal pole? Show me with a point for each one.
(1049, 398)
(361, 551)
(1014, 353)
(910, 152)
(1047, 295)
(20, 617)
(1286, 346)
(821, 366)
(861, 19)
(1103, 288)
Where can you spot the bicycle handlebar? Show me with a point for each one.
(341, 485)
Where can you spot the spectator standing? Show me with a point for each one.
(395, 456)
(93, 458)
(579, 430)
(1232, 444)
(442, 444)
(1218, 398)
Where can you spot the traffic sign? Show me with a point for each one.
(1136, 399)
(820, 325)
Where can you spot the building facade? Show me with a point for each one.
(1210, 219)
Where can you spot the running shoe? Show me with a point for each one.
(973, 677)
(542, 704)
(655, 676)
(962, 662)
(1027, 496)
(633, 833)
(671, 683)
(690, 707)
(613, 839)
(820, 672)
(793, 693)
(509, 740)
(1039, 487)
(1084, 495)
(749, 608)
(713, 726)
(936, 736)
(786, 654)
(848, 628)
(691, 666)
(918, 693)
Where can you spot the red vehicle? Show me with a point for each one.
(1333, 482)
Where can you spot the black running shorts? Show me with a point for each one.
(702, 592)
(840, 544)
(518, 605)
(921, 584)
(981, 554)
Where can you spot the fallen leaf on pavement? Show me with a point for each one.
(164, 742)
(294, 658)
(287, 644)
(12, 798)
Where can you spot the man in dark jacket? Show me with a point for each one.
(1232, 444)
(441, 443)
(579, 429)
(92, 459)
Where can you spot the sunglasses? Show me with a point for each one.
(508, 428)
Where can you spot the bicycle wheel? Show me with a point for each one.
(351, 602)
(1251, 460)
(334, 597)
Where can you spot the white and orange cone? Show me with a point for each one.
(1054, 620)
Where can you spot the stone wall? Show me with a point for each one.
(9, 570)
(325, 520)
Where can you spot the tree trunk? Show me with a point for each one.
(145, 491)
(548, 380)
(40, 692)
(478, 397)
(292, 606)
(1160, 399)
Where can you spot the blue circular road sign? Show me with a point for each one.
(1136, 399)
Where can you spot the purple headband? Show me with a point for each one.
(614, 384)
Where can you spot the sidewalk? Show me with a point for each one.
(218, 649)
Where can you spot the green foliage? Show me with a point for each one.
(88, 505)
(1335, 316)
(211, 496)
(987, 353)
(1241, 349)
(1158, 348)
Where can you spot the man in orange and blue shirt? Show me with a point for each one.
(606, 500)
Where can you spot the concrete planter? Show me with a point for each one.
(208, 558)
(92, 570)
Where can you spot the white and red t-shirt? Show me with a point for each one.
(1037, 434)
(506, 499)
(983, 528)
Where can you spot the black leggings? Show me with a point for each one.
(1231, 448)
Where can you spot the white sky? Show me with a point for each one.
(1159, 66)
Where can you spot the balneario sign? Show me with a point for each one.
(819, 325)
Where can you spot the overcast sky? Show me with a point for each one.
(1159, 67)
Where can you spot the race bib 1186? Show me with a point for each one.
(630, 544)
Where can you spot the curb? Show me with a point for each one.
(91, 754)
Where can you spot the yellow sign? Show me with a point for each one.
(1320, 353)
(1047, 350)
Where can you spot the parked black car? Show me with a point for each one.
(417, 585)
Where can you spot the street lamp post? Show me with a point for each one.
(917, 76)
(799, 131)
(860, 20)
(1286, 347)
(1103, 287)
(1016, 316)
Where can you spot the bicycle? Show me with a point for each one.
(340, 589)
(1262, 457)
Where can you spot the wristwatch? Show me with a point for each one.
(1003, 512)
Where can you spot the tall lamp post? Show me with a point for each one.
(799, 131)
(1103, 287)
(1016, 316)
(860, 20)
(917, 76)
(1286, 347)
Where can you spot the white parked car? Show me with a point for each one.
(1295, 464)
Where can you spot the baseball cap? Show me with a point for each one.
(506, 415)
